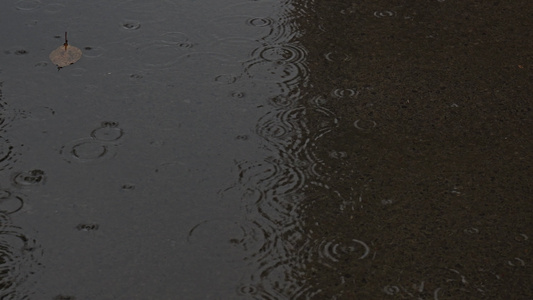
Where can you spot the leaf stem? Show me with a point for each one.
(66, 41)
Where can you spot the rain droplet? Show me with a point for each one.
(334, 251)
(87, 227)
(131, 24)
(93, 51)
(108, 132)
(128, 187)
(21, 52)
(110, 124)
(178, 39)
(471, 230)
(260, 22)
(286, 53)
(237, 94)
(247, 290)
(384, 13)
(33, 177)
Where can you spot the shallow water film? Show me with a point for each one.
(266, 149)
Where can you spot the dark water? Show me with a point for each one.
(266, 150)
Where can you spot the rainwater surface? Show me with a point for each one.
(266, 149)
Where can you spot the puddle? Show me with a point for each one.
(265, 150)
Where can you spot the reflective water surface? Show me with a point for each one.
(271, 149)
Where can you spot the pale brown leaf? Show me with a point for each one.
(65, 55)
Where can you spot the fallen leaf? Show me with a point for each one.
(65, 55)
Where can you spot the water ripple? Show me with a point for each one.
(292, 131)
(283, 101)
(259, 22)
(278, 72)
(179, 39)
(226, 78)
(257, 174)
(109, 131)
(153, 11)
(6, 115)
(20, 262)
(242, 26)
(280, 210)
(239, 48)
(288, 179)
(228, 239)
(335, 56)
(273, 130)
(160, 51)
(10, 202)
(102, 145)
(87, 150)
(7, 155)
(332, 251)
(5, 221)
(27, 5)
(286, 53)
(344, 93)
(384, 14)
(364, 124)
